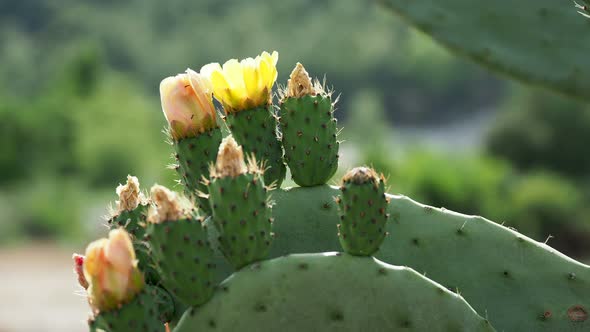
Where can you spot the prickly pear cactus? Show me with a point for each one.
(544, 42)
(331, 292)
(517, 284)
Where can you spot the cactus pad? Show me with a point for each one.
(146, 312)
(256, 131)
(183, 257)
(516, 282)
(319, 292)
(545, 42)
(193, 156)
(309, 138)
(242, 216)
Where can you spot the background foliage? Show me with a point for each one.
(79, 110)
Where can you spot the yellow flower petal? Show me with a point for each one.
(245, 84)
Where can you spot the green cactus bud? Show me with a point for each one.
(363, 211)
(308, 130)
(240, 204)
(180, 248)
(131, 213)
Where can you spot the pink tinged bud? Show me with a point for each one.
(187, 104)
(79, 270)
(111, 270)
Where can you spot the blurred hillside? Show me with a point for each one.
(79, 110)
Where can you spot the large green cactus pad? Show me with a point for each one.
(545, 42)
(515, 282)
(319, 292)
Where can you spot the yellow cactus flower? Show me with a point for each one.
(187, 103)
(245, 84)
(110, 268)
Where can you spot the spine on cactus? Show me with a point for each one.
(308, 130)
(240, 204)
(363, 211)
(130, 213)
(244, 88)
(188, 107)
(180, 248)
(117, 293)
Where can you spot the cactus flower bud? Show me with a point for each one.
(230, 159)
(187, 104)
(167, 205)
(129, 195)
(299, 83)
(79, 270)
(111, 270)
(245, 84)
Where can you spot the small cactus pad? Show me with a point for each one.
(184, 259)
(146, 312)
(193, 156)
(256, 131)
(363, 212)
(555, 55)
(331, 292)
(308, 131)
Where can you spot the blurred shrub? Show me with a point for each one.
(469, 185)
(542, 131)
(542, 204)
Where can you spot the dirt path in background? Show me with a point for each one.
(39, 292)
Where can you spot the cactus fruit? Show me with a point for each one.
(255, 131)
(331, 292)
(245, 90)
(188, 106)
(240, 204)
(308, 130)
(143, 313)
(131, 213)
(180, 248)
(492, 34)
(363, 211)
